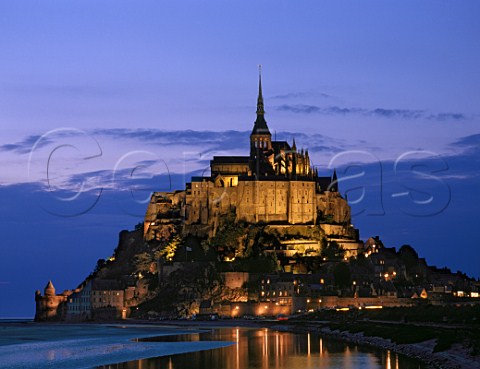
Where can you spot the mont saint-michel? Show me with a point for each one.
(263, 235)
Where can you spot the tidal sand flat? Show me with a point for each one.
(85, 346)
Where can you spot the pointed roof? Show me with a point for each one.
(260, 126)
(334, 185)
(49, 289)
(294, 146)
(260, 107)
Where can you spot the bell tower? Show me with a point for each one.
(260, 138)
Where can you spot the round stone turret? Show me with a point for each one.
(49, 289)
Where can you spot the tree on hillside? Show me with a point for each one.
(341, 275)
(409, 257)
(227, 237)
(168, 252)
(146, 262)
(100, 264)
(331, 250)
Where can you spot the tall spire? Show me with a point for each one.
(260, 108)
(260, 126)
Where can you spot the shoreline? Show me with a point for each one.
(456, 357)
(91, 345)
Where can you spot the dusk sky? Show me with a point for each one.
(102, 102)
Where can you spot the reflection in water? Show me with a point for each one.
(269, 349)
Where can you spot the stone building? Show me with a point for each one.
(108, 299)
(275, 184)
(50, 306)
(79, 303)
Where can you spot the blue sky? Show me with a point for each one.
(123, 97)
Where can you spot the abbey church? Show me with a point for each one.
(276, 184)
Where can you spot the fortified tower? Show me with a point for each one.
(50, 306)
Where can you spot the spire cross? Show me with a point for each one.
(260, 109)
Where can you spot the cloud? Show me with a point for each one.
(24, 146)
(447, 116)
(74, 90)
(396, 113)
(231, 142)
(468, 141)
(229, 139)
(145, 171)
(218, 143)
(378, 112)
(300, 95)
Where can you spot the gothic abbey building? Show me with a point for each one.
(275, 185)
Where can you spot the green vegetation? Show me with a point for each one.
(260, 264)
(331, 250)
(451, 314)
(448, 325)
(341, 275)
(397, 333)
(408, 334)
(146, 262)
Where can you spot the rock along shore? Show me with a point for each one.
(455, 358)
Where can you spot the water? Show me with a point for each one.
(265, 348)
(72, 346)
